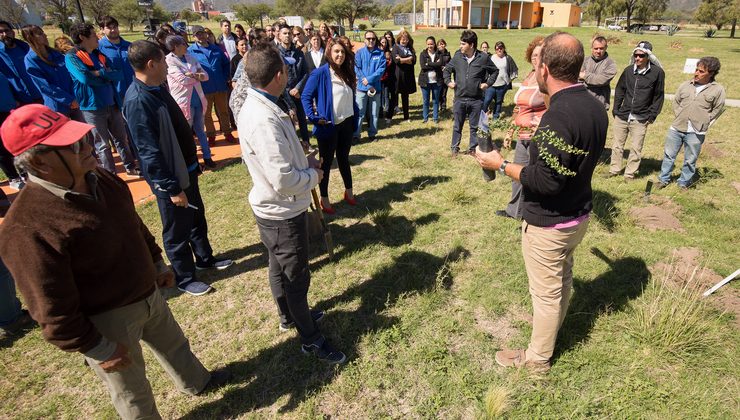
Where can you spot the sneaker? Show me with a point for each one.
(219, 378)
(211, 141)
(324, 352)
(16, 184)
(210, 164)
(22, 323)
(133, 173)
(217, 263)
(609, 175)
(516, 358)
(316, 315)
(454, 153)
(660, 185)
(387, 121)
(371, 139)
(195, 288)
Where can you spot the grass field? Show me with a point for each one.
(427, 283)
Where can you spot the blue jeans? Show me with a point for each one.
(465, 108)
(496, 95)
(425, 91)
(691, 147)
(10, 306)
(108, 126)
(199, 126)
(363, 102)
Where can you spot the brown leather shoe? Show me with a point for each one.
(517, 358)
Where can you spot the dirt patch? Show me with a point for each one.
(676, 45)
(502, 328)
(659, 216)
(737, 186)
(712, 151)
(685, 267)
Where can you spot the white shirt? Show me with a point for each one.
(342, 101)
(691, 128)
(316, 57)
(230, 46)
(432, 75)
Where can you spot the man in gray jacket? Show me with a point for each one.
(282, 180)
(473, 73)
(598, 71)
(697, 105)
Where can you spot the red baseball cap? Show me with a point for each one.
(35, 124)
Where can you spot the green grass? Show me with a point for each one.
(426, 285)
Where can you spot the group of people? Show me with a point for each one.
(64, 236)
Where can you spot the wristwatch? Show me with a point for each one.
(502, 169)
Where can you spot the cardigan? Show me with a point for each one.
(318, 88)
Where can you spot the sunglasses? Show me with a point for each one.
(640, 55)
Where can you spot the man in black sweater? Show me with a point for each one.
(169, 164)
(638, 99)
(557, 192)
(474, 72)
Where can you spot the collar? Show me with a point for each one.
(598, 60)
(147, 87)
(643, 71)
(272, 98)
(693, 82)
(66, 194)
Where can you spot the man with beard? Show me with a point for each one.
(557, 198)
(598, 71)
(115, 49)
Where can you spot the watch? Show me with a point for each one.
(502, 168)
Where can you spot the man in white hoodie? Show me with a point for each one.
(282, 179)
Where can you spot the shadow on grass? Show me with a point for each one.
(417, 132)
(609, 292)
(605, 210)
(358, 159)
(281, 371)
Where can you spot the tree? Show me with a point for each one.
(251, 13)
(12, 11)
(716, 12)
(189, 15)
(650, 9)
(58, 11)
(128, 12)
(596, 9)
(337, 10)
(96, 9)
(305, 8)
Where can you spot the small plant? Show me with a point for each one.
(544, 137)
(374, 21)
(676, 45)
(362, 27)
(709, 33)
(495, 403)
(672, 30)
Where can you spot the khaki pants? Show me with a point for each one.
(219, 100)
(548, 258)
(150, 321)
(621, 130)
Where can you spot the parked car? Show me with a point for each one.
(615, 27)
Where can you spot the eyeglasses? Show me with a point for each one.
(296, 34)
(640, 55)
(371, 39)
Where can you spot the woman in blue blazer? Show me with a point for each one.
(46, 67)
(329, 101)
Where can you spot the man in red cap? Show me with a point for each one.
(63, 241)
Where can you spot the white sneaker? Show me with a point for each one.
(16, 184)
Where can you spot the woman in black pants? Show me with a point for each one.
(333, 115)
(442, 48)
(405, 58)
(388, 80)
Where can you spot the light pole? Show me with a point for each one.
(79, 11)
(413, 16)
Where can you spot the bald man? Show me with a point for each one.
(557, 199)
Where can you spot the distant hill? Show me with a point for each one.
(684, 5)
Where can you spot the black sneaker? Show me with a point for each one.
(316, 315)
(217, 263)
(324, 352)
(209, 163)
(22, 323)
(219, 378)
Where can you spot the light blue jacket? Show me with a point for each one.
(14, 69)
(215, 63)
(93, 92)
(117, 55)
(369, 65)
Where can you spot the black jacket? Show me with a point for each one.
(549, 197)
(468, 77)
(639, 94)
(310, 67)
(297, 73)
(405, 80)
(427, 65)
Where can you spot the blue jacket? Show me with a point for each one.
(53, 81)
(216, 64)
(14, 69)
(297, 71)
(369, 65)
(7, 101)
(93, 92)
(318, 87)
(117, 55)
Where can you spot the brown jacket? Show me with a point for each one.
(598, 77)
(700, 108)
(78, 256)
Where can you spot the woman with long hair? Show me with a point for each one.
(446, 57)
(184, 77)
(507, 72)
(405, 58)
(242, 45)
(239, 31)
(430, 79)
(388, 81)
(334, 116)
(530, 105)
(46, 67)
